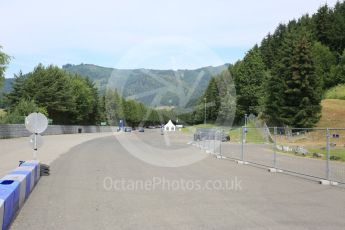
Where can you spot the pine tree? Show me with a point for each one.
(18, 90)
(336, 33)
(337, 73)
(324, 60)
(296, 96)
(212, 99)
(267, 51)
(114, 107)
(303, 96)
(322, 24)
(249, 76)
(227, 95)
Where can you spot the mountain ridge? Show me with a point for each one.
(153, 87)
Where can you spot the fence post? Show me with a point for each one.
(220, 143)
(242, 152)
(328, 147)
(275, 148)
(214, 143)
(201, 142)
(239, 135)
(208, 142)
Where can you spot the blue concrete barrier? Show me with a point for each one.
(22, 186)
(15, 188)
(27, 175)
(9, 194)
(36, 166)
(1, 213)
(30, 171)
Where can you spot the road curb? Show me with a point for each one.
(15, 189)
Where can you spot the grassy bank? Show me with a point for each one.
(337, 92)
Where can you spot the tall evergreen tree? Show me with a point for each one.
(336, 35)
(267, 51)
(249, 78)
(276, 83)
(50, 88)
(227, 95)
(324, 60)
(322, 24)
(337, 73)
(85, 101)
(114, 107)
(212, 99)
(304, 90)
(18, 89)
(295, 97)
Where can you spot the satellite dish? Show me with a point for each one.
(36, 123)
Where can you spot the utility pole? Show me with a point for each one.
(205, 111)
(245, 128)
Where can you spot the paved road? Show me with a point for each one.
(76, 197)
(16, 149)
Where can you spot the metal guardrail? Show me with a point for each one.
(317, 153)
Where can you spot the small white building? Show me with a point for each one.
(169, 126)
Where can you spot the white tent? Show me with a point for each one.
(169, 126)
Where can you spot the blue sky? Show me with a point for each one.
(180, 34)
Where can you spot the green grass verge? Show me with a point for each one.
(192, 128)
(204, 126)
(235, 135)
(252, 136)
(337, 92)
(334, 152)
(338, 152)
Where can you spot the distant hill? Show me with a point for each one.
(179, 88)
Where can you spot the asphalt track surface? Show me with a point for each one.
(78, 195)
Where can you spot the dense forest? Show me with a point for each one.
(284, 78)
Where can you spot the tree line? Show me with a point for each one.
(67, 98)
(134, 113)
(63, 97)
(283, 79)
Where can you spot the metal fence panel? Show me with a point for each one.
(257, 146)
(318, 153)
(232, 148)
(297, 151)
(337, 155)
